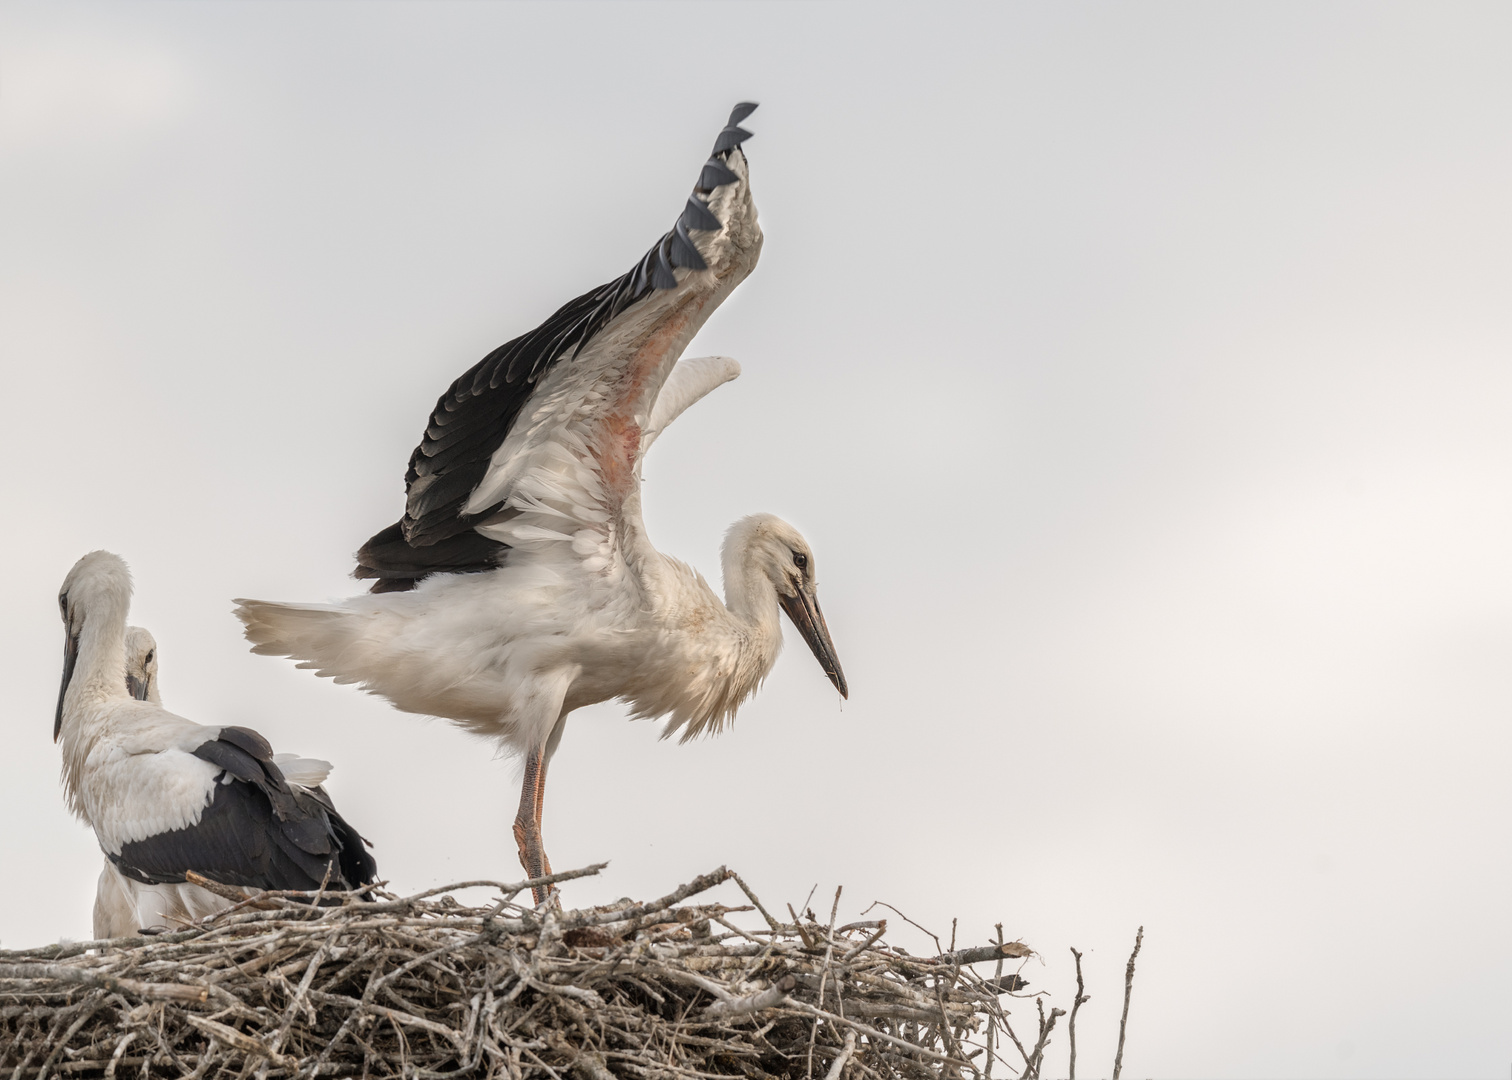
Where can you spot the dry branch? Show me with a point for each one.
(1123, 1022)
(1076, 1003)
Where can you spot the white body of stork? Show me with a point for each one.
(165, 795)
(520, 584)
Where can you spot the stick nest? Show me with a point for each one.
(422, 986)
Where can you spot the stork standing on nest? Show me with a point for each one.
(520, 583)
(166, 796)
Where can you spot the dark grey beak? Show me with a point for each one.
(803, 609)
(137, 688)
(70, 655)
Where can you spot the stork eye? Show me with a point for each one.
(150, 654)
(800, 560)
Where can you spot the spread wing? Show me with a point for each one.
(539, 440)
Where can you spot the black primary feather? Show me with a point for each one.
(683, 251)
(715, 174)
(258, 831)
(697, 215)
(730, 138)
(474, 416)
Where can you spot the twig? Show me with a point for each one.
(1013, 950)
(512, 889)
(243, 897)
(765, 914)
(147, 991)
(905, 918)
(702, 883)
(868, 943)
(873, 1033)
(88, 1010)
(1076, 1003)
(769, 998)
(116, 1055)
(1038, 1054)
(236, 1040)
(1123, 1021)
(838, 1066)
(808, 942)
(997, 976)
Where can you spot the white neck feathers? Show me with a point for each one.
(98, 595)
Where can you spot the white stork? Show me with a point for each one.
(165, 795)
(520, 583)
(124, 905)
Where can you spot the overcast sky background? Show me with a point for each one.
(1139, 373)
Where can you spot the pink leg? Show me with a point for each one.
(527, 824)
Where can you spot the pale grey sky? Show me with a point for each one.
(1138, 372)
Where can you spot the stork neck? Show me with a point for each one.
(749, 595)
(99, 673)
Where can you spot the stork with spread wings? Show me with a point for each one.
(520, 584)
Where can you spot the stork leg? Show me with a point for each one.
(527, 823)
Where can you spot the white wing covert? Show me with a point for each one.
(690, 381)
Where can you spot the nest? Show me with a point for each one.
(290, 985)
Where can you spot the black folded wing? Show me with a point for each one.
(258, 831)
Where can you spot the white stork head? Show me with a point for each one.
(142, 665)
(765, 555)
(94, 600)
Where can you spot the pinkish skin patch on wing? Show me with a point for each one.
(620, 435)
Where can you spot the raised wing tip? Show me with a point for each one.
(677, 247)
(733, 134)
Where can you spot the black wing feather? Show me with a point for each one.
(398, 566)
(474, 416)
(257, 832)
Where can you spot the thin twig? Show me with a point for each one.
(1123, 1021)
(1076, 1003)
(765, 914)
(1037, 1056)
(838, 1065)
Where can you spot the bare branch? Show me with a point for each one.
(1012, 950)
(1076, 1003)
(838, 1066)
(1123, 1022)
(1037, 1055)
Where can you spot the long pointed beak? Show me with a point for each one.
(137, 688)
(803, 609)
(70, 655)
